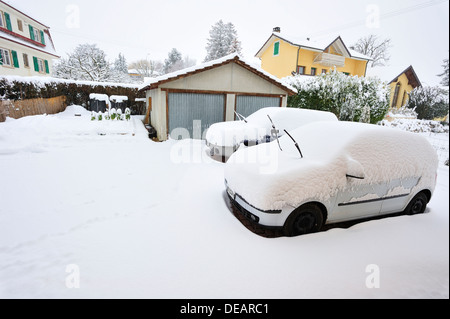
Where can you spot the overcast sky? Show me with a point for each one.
(419, 29)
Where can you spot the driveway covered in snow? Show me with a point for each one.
(89, 215)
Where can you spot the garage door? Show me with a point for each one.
(247, 105)
(195, 113)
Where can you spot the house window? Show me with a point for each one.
(5, 57)
(37, 35)
(324, 71)
(396, 94)
(25, 60)
(2, 23)
(313, 71)
(276, 48)
(405, 98)
(301, 70)
(346, 73)
(5, 20)
(40, 65)
(20, 25)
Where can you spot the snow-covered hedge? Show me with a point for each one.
(77, 92)
(417, 126)
(429, 102)
(351, 98)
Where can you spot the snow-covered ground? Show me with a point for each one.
(84, 215)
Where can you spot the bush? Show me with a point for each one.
(356, 99)
(429, 102)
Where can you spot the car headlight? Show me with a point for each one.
(231, 193)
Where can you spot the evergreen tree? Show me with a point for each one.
(444, 75)
(119, 72)
(174, 62)
(223, 40)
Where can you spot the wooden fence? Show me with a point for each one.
(21, 108)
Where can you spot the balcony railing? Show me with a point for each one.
(327, 59)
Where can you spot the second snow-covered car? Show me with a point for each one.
(263, 126)
(324, 173)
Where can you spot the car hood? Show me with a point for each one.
(270, 179)
(230, 134)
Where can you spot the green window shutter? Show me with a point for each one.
(31, 32)
(276, 48)
(8, 21)
(1, 57)
(36, 64)
(47, 70)
(15, 59)
(42, 37)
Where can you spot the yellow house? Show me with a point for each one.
(402, 85)
(283, 56)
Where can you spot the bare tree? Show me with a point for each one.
(377, 49)
(147, 68)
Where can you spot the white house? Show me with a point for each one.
(26, 46)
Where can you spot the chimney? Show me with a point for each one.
(277, 29)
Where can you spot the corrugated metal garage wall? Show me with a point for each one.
(249, 104)
(186, 109)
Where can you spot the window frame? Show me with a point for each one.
(2, 20)
(8, 58)
(324, 71)
(20, 25)
(313, 71)
(26, 61)
(37, 34)
(298, 69)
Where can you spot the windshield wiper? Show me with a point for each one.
(296, 144)
(241, 117)
(275, 132)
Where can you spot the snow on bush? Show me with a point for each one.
(350, 98)
(416, 126)
(429, 102)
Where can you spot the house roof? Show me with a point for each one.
(21, 12)
(48, 48)
(413, 79)
(154, 83)
(318, 45)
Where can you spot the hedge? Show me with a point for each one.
(76, 92)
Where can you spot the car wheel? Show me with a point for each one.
(417, 205)
(305, 220)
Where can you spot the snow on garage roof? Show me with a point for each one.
(156, 82)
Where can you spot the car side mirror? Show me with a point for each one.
(355, 169)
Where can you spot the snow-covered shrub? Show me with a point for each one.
(119, 116)
(113, 114)
(350, 98)
(429, 102)
(93, 116)
(127, 114)
(100, 116)
(417, 126)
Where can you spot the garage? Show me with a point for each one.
(249, 104)
(194, 113)
(185, 103)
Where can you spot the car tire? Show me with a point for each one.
(305, 220)
(417, 205)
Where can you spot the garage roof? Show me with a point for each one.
(232, 58)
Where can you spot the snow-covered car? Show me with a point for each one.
(325, 173)
(223, 139)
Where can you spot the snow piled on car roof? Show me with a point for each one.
(270, 179)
